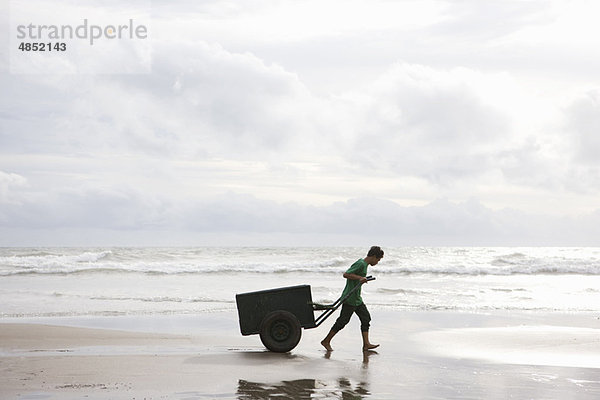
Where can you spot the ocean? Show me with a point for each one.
(149, 281)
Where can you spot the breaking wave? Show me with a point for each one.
(186, 261)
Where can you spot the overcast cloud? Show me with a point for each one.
(313, 122)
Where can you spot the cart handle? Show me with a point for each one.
(330, 306)
(331, 309)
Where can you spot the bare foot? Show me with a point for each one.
(326, 345)
(370, 347)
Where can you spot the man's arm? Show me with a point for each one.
(355, 277)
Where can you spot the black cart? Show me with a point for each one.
(278, 315)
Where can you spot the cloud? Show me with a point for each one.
(433, 124)
(200, 100)
(9, 183)
(583, 122)
(491, 20)
(204, 102)
(222, 137)
(363, 219)
(455, 131)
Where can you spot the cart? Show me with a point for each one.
(278, 315)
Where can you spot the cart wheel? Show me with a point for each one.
(280, 331)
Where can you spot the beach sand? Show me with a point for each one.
(423, 355)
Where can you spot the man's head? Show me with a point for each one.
(374, 255)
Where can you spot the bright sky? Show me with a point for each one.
(304, 122)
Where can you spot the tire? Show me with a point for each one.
(280, 331)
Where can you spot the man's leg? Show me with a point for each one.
(339, 324)
(327, 341)
(365, 323)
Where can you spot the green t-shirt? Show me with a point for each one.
(358, 268)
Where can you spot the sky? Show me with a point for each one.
(299, 123)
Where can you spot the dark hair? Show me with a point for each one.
(375, 251)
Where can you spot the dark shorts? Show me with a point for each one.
(346, 314)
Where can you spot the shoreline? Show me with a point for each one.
(423, 354)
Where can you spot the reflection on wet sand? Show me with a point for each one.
(302, 389)
(366, 356)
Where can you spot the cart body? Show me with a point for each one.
(253, 307)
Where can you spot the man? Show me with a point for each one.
(356, 275)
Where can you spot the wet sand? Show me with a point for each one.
(424, 355)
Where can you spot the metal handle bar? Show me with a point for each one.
(338, 303)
